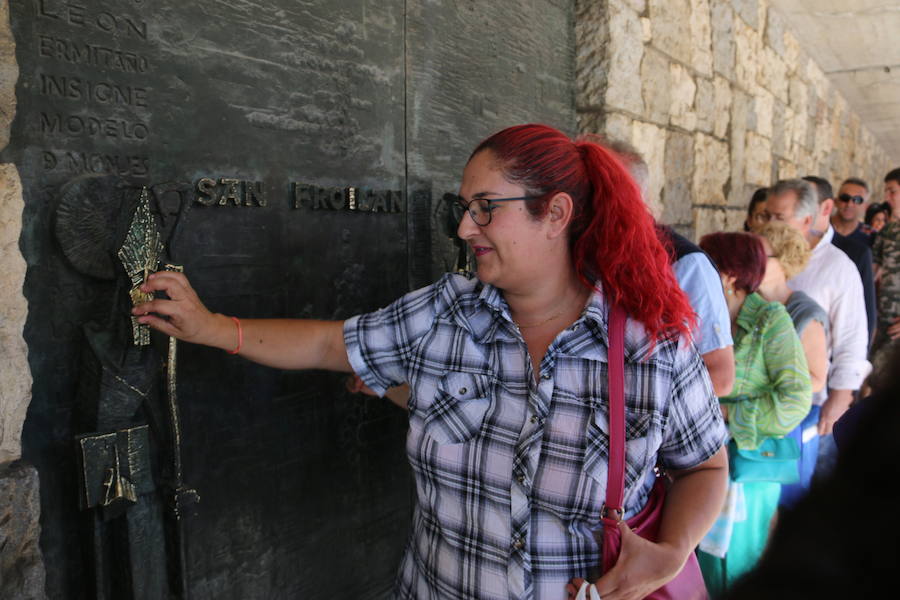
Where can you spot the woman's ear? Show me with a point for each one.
(727, 283)
(560, 209)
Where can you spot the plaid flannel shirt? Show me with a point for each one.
(510, 469)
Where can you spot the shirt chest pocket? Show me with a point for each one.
(642, 440)
(458, 411)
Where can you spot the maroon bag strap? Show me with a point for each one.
(689, 582)
(615, 479)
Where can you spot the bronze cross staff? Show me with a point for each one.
(181, 496)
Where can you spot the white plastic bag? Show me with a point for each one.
(585, 589)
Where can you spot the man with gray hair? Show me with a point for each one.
(832, 280)
(858, 252)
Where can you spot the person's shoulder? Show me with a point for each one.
(890, 234)
(836, 258)
(678, 352)
(801, 301)
(458, 283)
(855, 250)
(802, 309)
(640, 346)
(681, 250)
(836, 277)
(763, 312)
(682, 246)
(449, 289)
(798, 298)
(453, 288)
(891, 231)
(695, 270)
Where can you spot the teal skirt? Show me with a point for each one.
(747, 542)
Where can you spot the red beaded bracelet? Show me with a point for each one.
(240, 336)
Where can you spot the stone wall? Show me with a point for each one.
(15, 376)
(22, 570)
(720, 99)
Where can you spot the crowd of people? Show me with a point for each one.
(733, 358)
(812, 289)
(831, 268)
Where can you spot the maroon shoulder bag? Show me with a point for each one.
(688, 584)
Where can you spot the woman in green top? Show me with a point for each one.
(771, 395)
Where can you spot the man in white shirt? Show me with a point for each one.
(832, 280)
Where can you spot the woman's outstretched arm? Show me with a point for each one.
(279, 343)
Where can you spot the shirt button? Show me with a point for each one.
(462, 391)
(573, 328)
(535, 419)
(545, 376)
(518, 543)
(520, 479)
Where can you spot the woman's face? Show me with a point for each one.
(879, 220)
(511, 250)
(758, 216)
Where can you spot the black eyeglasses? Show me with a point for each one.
(849, 198)
(479, 208)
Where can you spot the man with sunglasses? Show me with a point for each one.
(849, 210)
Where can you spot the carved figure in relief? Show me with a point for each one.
(128, 448)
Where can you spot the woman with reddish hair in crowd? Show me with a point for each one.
(508, 433)
(771, 396)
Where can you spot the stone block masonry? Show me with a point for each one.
(21, 564)
(15, 376)
(22, 572)
(720, 99)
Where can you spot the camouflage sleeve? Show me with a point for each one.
(878, 246)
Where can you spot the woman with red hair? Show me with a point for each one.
(771, 396)
(508, 421)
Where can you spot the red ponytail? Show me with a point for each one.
(613, 235)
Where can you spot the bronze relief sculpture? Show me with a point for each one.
(129, 446)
